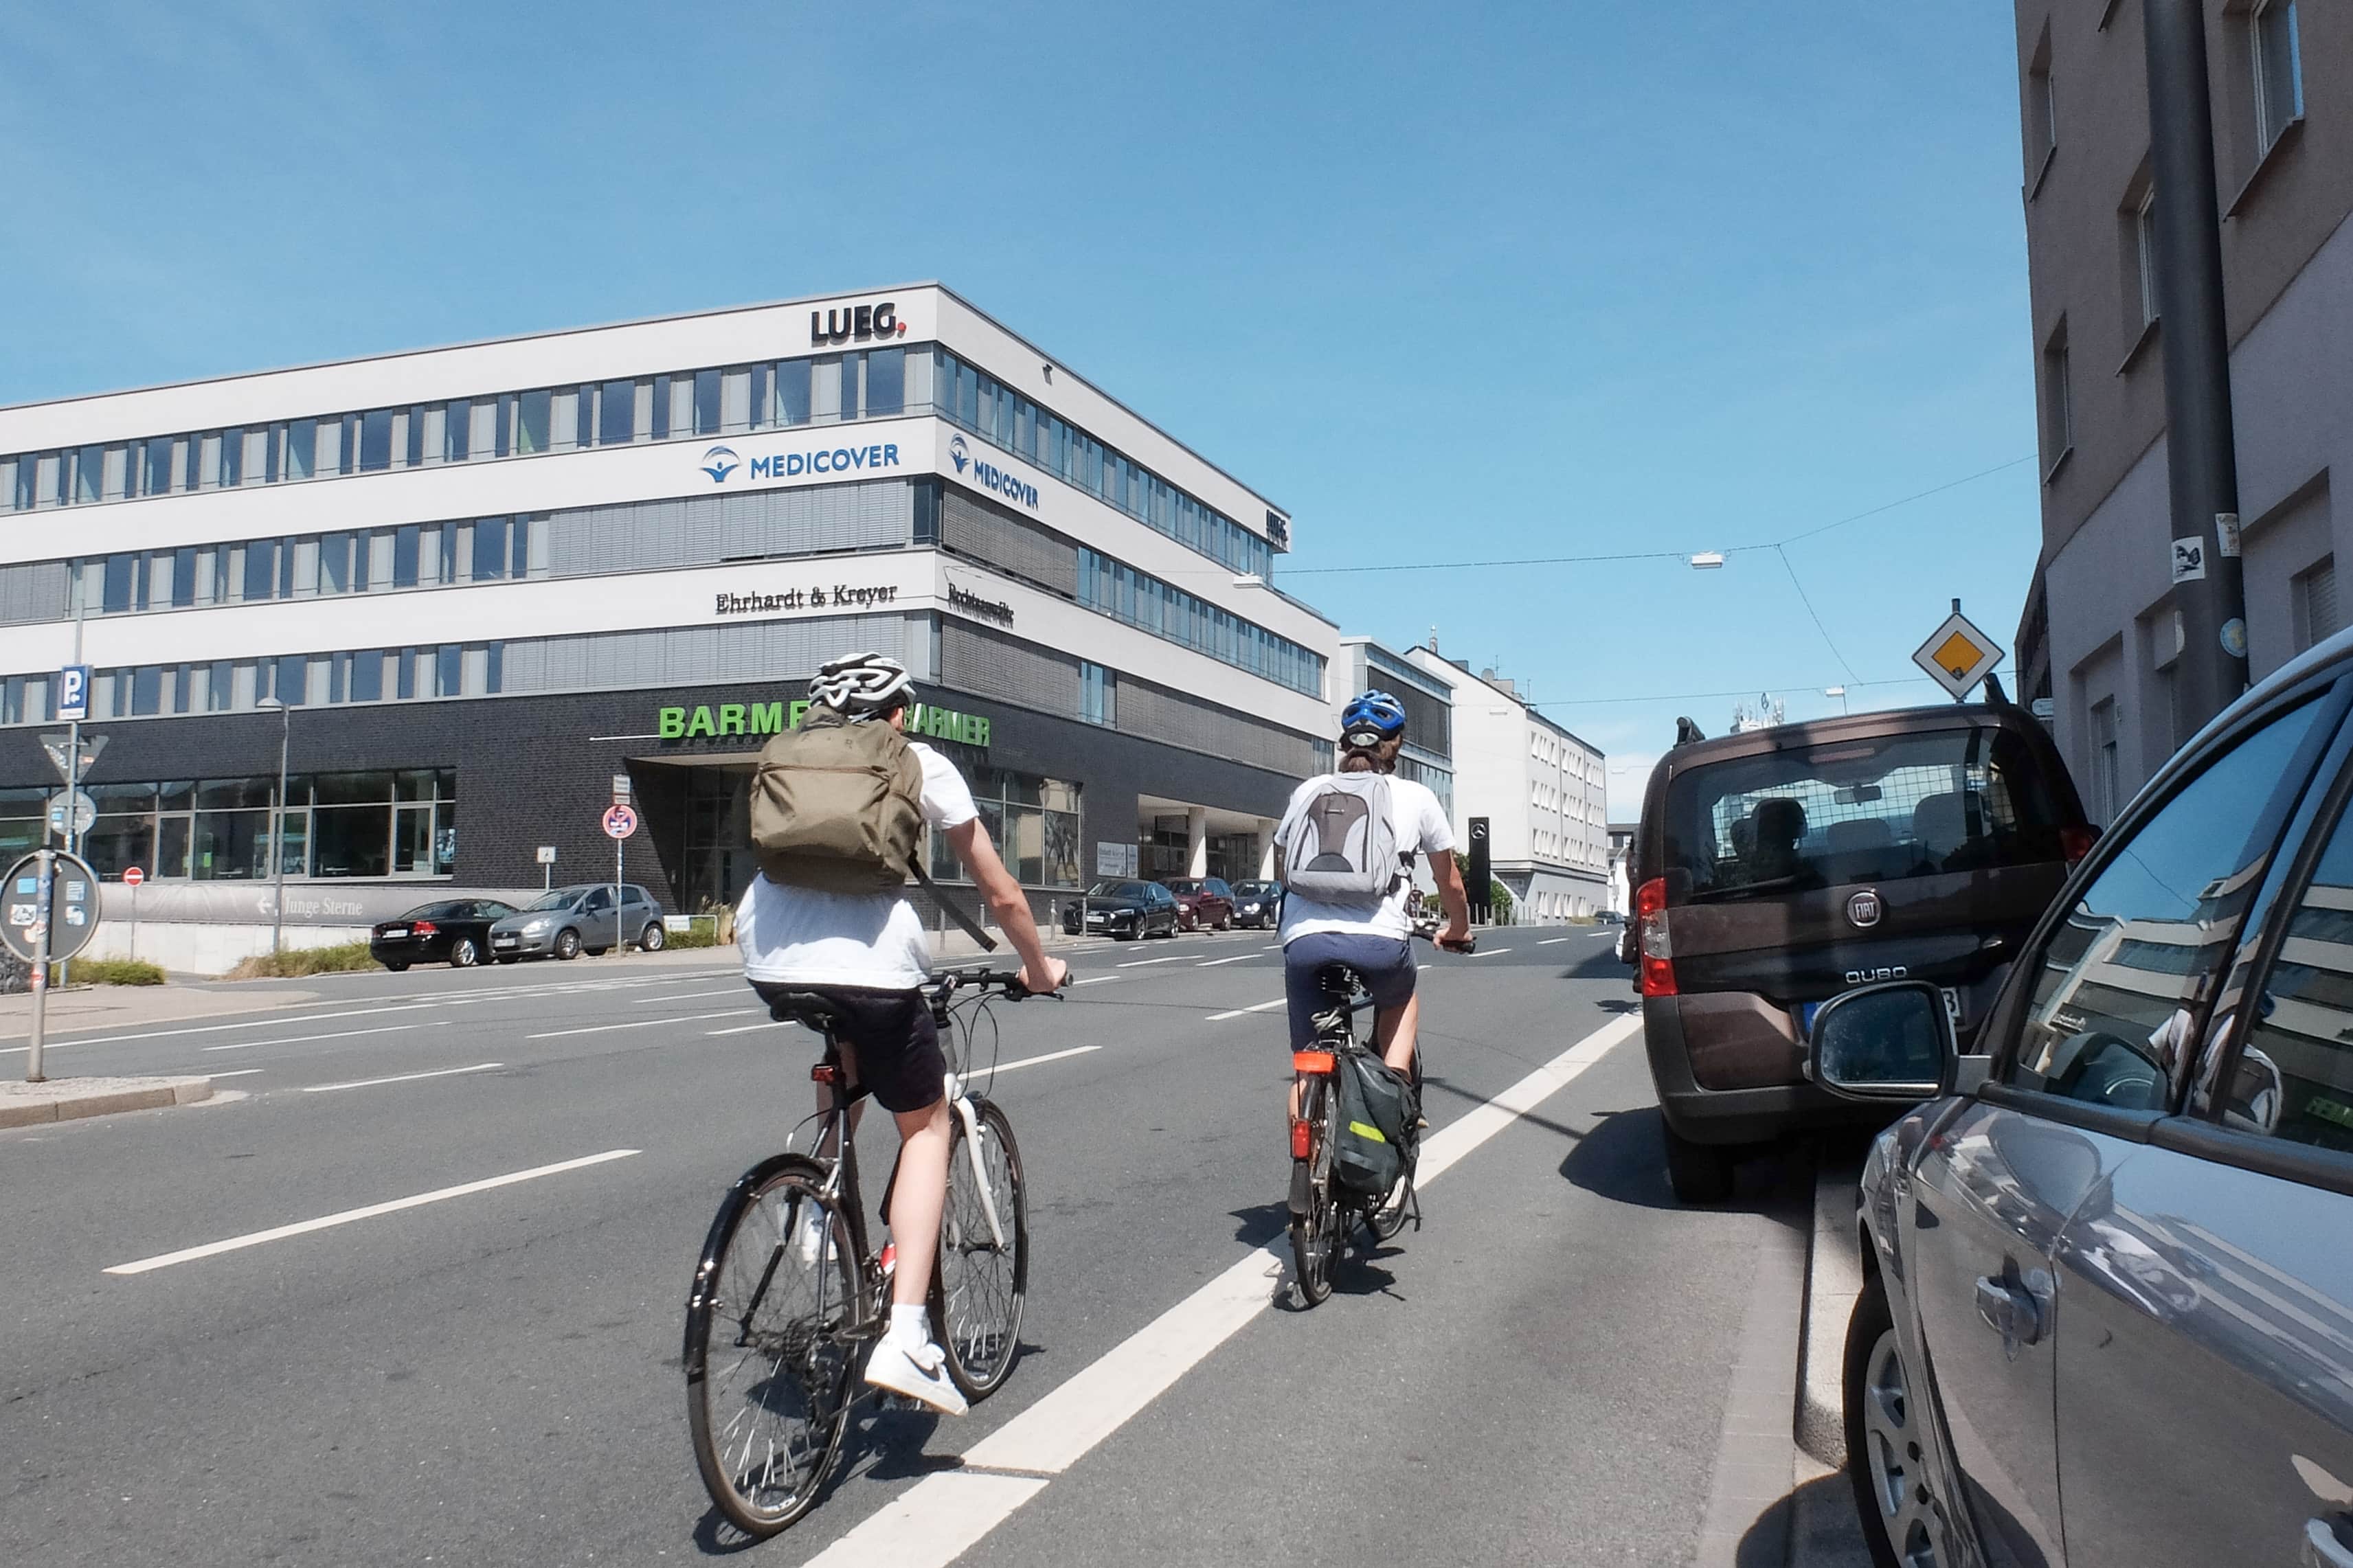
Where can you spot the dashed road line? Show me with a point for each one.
(1213, 962)
(241, 1023)
(1143, 962)
(1033, 1061)
(402, 1078)
(1098, 980)
(643, 1023)
(1552, 941)
(338, 1034)
(1261, 1007)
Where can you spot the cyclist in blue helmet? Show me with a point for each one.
(1341, 907)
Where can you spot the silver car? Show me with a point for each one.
(2108, 1309)
(567, 921)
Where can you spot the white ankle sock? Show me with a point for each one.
(910, 1324)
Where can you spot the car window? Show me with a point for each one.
(1220, 889)
(2114, 1006)
(1871, 809)
(596, 899)
(2294, 1078)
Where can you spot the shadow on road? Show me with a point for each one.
(1624, 1159)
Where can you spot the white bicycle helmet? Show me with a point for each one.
(862, 683)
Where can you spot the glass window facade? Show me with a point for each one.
(1033, 822)
(1146, 602)
(298, 680)
(389, 824)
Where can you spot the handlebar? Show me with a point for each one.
(1428, 931)
(1006, 982)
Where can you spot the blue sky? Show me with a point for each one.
(1450, 283)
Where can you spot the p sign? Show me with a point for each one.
(73, 693)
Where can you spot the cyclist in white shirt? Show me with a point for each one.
(1376, 943)
(867, 953)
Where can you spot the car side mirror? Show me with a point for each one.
(1892, 1041)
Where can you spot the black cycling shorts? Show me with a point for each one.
(893, 1036)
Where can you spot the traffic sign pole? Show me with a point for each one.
(47, 876)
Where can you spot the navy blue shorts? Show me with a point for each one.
(892, 1040)
(1384, 962)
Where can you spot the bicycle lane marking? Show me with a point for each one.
(941, 1516)
(1238, 1011)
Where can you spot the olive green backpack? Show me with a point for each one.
(837, 806)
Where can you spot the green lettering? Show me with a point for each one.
(766, 717)
(798, 709)
(700, 724)
(980, 733)
(731, 718)
(672, 724)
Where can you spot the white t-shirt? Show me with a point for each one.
(799, 936)
(1421, 827)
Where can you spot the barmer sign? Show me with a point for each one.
(715, 720)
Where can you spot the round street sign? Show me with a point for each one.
(85, 813)
(133, 876)
(620, 821)
(73, 906)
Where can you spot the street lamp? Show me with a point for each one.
(278, 837)
(1839, 692)
(1707, 560)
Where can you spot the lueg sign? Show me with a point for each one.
(856, 323)
(721, 719)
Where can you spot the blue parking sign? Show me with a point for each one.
(73, 692)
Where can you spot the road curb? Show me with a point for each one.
(73, 1100)
(1833, 1280)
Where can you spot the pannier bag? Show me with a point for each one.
(1378, 1117)
(1341, 847)
(838, 807)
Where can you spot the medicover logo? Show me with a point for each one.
(718, 462)
(958, 453)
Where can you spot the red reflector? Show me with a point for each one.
(824, 1072)
(1312, 1061)
(2077, 842)
(424, 928)
(1651, 935)
(1301, 1135)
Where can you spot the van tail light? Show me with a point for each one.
(2077, 842)
(1301, 1135)
(424, 928)
(1658, 952)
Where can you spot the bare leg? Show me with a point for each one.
(918, 1199)
(1394, 1031)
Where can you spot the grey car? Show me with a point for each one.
(2107, 1316)
(569, 922)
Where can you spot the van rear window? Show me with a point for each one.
(1878, 809)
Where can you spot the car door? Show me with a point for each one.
(2090, 1029)
(2206, 1368)
(596, 917)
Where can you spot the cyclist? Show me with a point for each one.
(1376, 942)
(867, 953)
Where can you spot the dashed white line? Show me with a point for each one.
(941, 1516)
(1487, 953)
(1098, 980)
(403, 1077)
(241, 1023)
(338, 1034)
(1213, 962)
(1033, 1061)
(1553, 941)
(747, 1028)
(1262, 1007)
(346, 1217)
(643, 1023)
(1143, 962)
(241, 1072)
(686, 995)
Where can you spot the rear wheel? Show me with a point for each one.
(1893, 1488)
(1699, 1173)
(769, 1346)
(982, 1272)
(464, 954)
(399, 966)
(1316, 1212)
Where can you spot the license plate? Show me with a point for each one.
(1097, 919)
(1952, 1010)
(394, 933)
(504, 941)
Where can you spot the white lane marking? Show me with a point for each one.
(1421, 968)
(241, 1072)
(325, 1222)
(1262, 1007)
(643, 1024)
(1143, 962)
(747, 1028)
(1552, 941)
(1033, 1061)
(941, 1516)
(1487, 953)
(242, 1024)
(403, 1077)
(1272, 947)
(1097, 980)
(687, 995)
(338, 1034)
(1213, 962)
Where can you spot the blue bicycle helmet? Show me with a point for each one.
(1377, 712)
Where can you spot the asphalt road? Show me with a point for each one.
(1537, 1375)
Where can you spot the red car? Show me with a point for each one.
(1202, 903)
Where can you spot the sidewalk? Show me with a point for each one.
(77, 1009)
(71, 1098)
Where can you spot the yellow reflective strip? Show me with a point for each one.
(1361, 1131)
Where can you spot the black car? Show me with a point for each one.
(455, 931)
(1124, 910)
(1258, 904)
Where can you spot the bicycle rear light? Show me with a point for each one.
(1312, 1061)
(1657, 951)
(825, 1072)
(1302, 1138)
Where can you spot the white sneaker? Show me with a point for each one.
(810, 1236)
(919, 1371)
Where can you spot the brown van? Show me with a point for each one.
(1778, 866)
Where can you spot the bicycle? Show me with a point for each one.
(1321, 1215)
(787, 1298)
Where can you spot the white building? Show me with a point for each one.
(1543, 792)
(488, 578)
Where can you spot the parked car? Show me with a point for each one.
(1123, 910)
(1204, 903)
(455, 931)
(1782, 866)
(582, 918)
(2107, 1309)
(1258, 904)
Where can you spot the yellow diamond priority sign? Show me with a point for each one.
(1957, 656)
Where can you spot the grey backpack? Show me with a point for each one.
(1341, 846)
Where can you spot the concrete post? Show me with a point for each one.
(1196, 841)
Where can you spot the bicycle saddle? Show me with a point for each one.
(815, 1013)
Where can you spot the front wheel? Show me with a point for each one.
(981, 1273)
(652, 938)
(1895, 1491)
(464, 954)
(1314, 1211)
(567, 944)
(400, 967)
(771, 1343)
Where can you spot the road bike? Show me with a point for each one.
(1322, 1215)
(788, 1298)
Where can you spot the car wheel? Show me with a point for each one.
(400, 967)
(464, 954)
(567, 944)
(1699, 1173)
(1894, 1490)
(653, 938)
(1225, 923)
